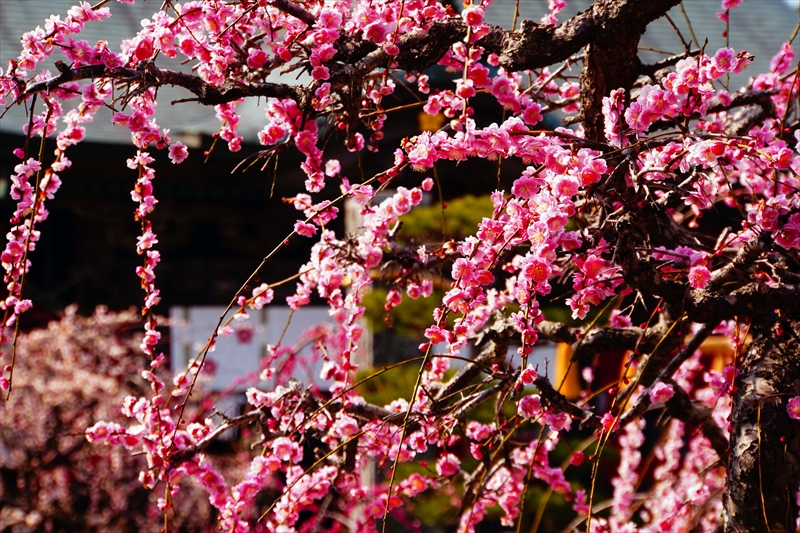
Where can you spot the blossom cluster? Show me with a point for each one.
(552, 231)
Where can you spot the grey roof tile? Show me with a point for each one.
(19, 16)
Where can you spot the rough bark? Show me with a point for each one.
(764, 460)
(608, 66)
(611, 55)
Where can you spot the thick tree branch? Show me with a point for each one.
(534, 46)
(295, 10)
(537, 45)
(148, 75)
(704, 305)
(363, 411)
(762, 99)
(586, 417)
(612, 60)
(653, 68)
(751, 300)
(680, 406)
(665, 375)
(497, 340)
(181, 456)
(744, 258)
(597, 340)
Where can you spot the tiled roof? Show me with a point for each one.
(759, 26)
(18, 16)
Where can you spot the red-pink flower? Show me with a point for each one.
(447, 465)
(610, 423)
(435, 334)
(576, 459)
(525, 187)
(473, 16)
(305, 229)
(530, 406)
(528, 375)
(793, 408)
(699, 276)
(256, 58)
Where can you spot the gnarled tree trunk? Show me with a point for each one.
(764, 460)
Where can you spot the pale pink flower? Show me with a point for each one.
(286, 450)
(178, 153)
(332, 167)
(558, 421)
(783, 59)
(146, 241)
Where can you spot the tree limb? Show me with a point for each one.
(586, 417)
(680, 406)
(295, 10)
(665, 375)
(148, 75)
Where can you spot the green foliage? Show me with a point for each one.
(460, 216)
(409, 319)
(391, 385)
